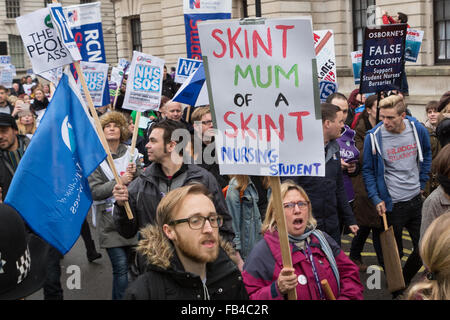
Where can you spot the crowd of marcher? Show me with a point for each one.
(197, 234)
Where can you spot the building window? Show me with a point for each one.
(85, 1)
(136, 40)
(442, 31)
(360, 15)
(47, 2)
(16, 51)
(12, 8)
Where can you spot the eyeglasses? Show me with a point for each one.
(198, 222)
(300, 204)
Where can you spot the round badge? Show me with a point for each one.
(302, 279)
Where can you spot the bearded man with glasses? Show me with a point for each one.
(186, 257)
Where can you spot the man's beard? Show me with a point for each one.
(189, 251)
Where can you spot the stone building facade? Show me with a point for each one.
(160, 24)
(9, 33)
(157, 27)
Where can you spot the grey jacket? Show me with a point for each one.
(435, 205)
(101, 189)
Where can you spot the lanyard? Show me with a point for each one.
(316, 276)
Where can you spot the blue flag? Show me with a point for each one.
(50, 189)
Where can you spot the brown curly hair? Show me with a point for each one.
(119, 119)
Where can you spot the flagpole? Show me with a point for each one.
(98, 126)
(100, 132)
(135, 134)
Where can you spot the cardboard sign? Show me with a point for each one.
(263, 89)
(185, 67)
(413, 43)
(200, 10)
(144, 83)
(95, 75)
(383, 58)
(42, 42)
(59, 20)
(356, 65)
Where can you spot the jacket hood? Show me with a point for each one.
(159, 251)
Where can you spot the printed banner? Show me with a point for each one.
(200, 10)
(42, 42)
(85, 21)
(95, 75)
(185, 67)
(326, 62)
(383, 58)
(144, 83)
(356, 64)
(59, 20)
(5, 59)
(264, 95)
(6, 75)
(413, 43)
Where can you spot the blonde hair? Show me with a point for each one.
(270, 223)
(435, 253)
(171, 202)
(22, 128)
(199, 113)
(394, 101)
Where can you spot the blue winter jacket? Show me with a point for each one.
(373, 164)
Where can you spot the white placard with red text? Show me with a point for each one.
(263, 88)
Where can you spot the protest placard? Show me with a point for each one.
(326, 62)
(201, 10)
(185, 67)
(95, 75)
(413, 43)
(59, 21)
(42, 43)
(85, 21)
(144, 83)
(115, 82)
(356, 65)
(383, 58)
(263, 89)
(6, 75)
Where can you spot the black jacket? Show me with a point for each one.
(327, 194)
(166, 279)
(144, 196)
(6, 169)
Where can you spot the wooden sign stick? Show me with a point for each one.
(135, 134)
(282, 230)
(100, 132)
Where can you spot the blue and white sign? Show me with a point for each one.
(5, 59)
(60, 21)
(200, 10)
(327, 88)
(185, 67)
(95, 75)
(144, 83)
(413, 43)
(356, 64)
(85, 21)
